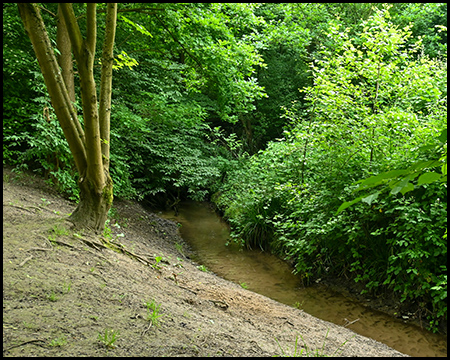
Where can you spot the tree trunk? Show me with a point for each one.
(65, 55)
(89, 146)
(92, 210)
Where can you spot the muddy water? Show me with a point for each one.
(266, 274)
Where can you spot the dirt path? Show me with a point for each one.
(59, 292)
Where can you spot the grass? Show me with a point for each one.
(304, 351)
(52, 297)
(179, 248)
(56, 231)
(187, 315)
(109, 338)
(28, 325)
(156, 265)
(203, 268)
(67, 287)
(61, 341)
(298, 305)
(153, 315)
(60, 230)
(45, 202)
(120, 297)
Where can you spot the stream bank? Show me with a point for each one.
(332, 300)
(60, 294)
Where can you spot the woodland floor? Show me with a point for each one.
(61, 290)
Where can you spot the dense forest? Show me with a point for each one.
(318, 130)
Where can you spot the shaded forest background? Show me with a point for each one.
(276, 113)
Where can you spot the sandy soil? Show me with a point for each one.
(61, 289)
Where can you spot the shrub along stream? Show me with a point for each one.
(373, 109)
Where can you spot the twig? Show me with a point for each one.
(24, 343)
(47, 240)
(99, 255)
(39, 249)
(185, 288)
(350, 322)
(18, 207)
(62, 243)
(136, 256)
(149, 326)
(27, 259)
(38, 208)
(55, 241)
(220, 303)
(92, 244)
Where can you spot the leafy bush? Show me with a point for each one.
(46, 149)
(367, 112)
(167, 152)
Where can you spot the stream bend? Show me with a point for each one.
(268, 275)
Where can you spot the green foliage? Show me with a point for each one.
(109, 338)
(60, 341)
(47, 149)
(197, 86)
(244, 285)
(153, 314)
(52, 297)
(124, 59)
(427, 20)
(375, 110)
(203, 268)
(399, 180)
(206, 46)
(32, 135)
(169, 153)
(20, 83)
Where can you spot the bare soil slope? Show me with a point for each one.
(61, 289)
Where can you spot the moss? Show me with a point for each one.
(108, 191)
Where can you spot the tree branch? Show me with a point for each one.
(179, 43)
(91, 31)
(84, 52)
(67, 117)
(73, 29)
(106, 81)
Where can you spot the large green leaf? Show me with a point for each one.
(399, 185)
(346, 204)
(369, 199)
(443, 136)
(428, 177)
(378, 179)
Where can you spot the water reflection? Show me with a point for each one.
(266, 274)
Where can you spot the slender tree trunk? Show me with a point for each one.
(65, 55)
(90, 147)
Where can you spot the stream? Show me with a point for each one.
(268, 275)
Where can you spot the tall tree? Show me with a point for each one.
(89, 145)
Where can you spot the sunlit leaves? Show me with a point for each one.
(138, 27)
(123, 59)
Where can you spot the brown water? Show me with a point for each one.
(265, 274)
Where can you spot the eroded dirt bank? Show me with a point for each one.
(59, 292)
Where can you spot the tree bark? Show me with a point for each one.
(106, 81)
(92, 210)
(90, 147)
(65, 55)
